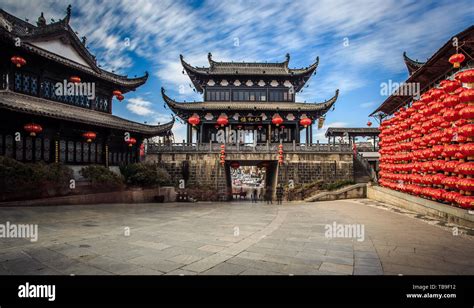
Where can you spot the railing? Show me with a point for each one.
(154, 148)
(367, 167)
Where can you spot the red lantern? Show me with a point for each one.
(451, 101)
(222, 120)
(18, 61)
(33, 129)
(467, 96)
(89, 136)
(369, 124)
(194, 120)
(465, 201)
(456, 59)
(466, 168)
(306, 122)
(235, 165)
(467, 113)
(131, 141)
(467, 130)
(466, 184)
(467, 149)
(117, 92)
(75, 79)
(466, 77)
(449, 86)
(277, 120)
(120, 97)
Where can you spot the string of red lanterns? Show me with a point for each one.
(427, 149)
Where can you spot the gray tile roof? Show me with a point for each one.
(41, 107)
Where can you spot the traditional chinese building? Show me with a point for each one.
(56, 101)
(257, 97)
(426, 139)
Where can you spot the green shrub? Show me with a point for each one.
(32, 180)
(145, 175)
(336, 185)
(100, 175)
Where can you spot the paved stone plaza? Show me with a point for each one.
(232, 239)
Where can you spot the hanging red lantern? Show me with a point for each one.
(235, 165)
(89, 136)
(18, 61)
(451, 101)
(465, 184)
(75, 79)
(194, 120)
(467, 96)
(117, 92)
(467, 130)
(369, 124)
(465, 201)
(306, 122)
(449, 86)
(120, 97)
(467, 149)
(467, 113)
(33, 129)
(466, 168)
(466, 77)
(456, 59)
(277, 120)
(131, 141)
(222, 120)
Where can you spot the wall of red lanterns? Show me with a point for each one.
(427, 149)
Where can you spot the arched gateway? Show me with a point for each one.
(249, 115)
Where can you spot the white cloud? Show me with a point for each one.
(139, 106)
(367, 105)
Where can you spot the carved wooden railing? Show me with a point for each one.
(154, 148)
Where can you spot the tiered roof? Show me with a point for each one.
(180, 107)
(237, 69)
(429, 72)
(12, 28)
(42, 107)
(412, 65)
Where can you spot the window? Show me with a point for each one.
(217, 95)
(280, 96)
(26, 83)
(246, 95)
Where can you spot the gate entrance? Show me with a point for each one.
(248, 179)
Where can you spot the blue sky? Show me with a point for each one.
(360, 44)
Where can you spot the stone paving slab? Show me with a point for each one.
(184, 239)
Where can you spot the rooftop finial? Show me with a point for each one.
(41, 21)
(84, 40)
(287, 57)
(68, 13)
(209, 57)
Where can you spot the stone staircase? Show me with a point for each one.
(348, 192)
(363, 172)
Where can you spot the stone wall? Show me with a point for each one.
(423, 206)
(302, 168)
